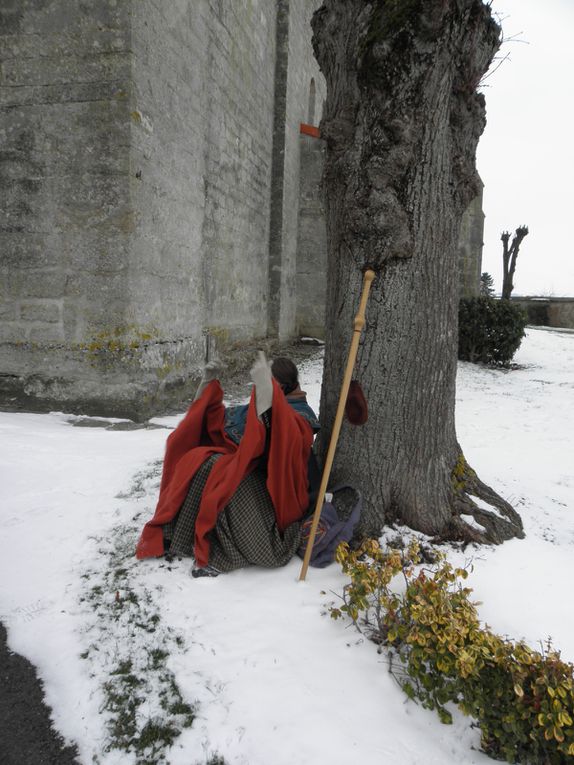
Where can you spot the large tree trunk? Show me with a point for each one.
(402, 120)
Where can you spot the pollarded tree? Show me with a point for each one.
(401, 121)
(509, 256)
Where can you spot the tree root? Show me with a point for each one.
(498, 525)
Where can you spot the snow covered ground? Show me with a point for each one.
(270, 677)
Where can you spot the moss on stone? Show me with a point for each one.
(119, 339)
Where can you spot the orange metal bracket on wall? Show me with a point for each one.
(309, 130)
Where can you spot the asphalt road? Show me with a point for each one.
(26, 735)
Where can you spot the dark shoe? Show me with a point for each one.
(197, 572)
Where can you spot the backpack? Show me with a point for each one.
(331, 530)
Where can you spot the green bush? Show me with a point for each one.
(522, 700)
(489, 331)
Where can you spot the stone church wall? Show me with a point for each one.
(201, 154)
(138, 140)
(66, 217)
(312, 241)
(470, 248)
(157, 199)
(302, 70)
(297, 73)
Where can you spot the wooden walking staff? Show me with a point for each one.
(358, 325)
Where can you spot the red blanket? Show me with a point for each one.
(201, 434)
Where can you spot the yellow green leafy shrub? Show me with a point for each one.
(522, 699)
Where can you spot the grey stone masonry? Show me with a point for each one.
(136, 142)
(311, 241)
(555, 312)
(297, 74)
(65, 214)
(470, 248)
(157, 200)
(561, 312)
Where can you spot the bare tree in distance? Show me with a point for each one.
(401, 122)
(509, 256)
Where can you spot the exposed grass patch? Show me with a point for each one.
(129, 647)
(143, 482)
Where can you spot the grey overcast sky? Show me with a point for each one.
(526, 154)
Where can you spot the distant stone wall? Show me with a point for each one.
(470, 248)
(549, 312)
(561, 313)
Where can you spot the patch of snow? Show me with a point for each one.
(486, 506)
(275, 679)
(471, 521)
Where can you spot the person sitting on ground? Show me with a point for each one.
(236, 481)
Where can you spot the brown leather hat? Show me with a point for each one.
(356, 407)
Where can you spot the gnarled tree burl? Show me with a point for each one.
(401, 121)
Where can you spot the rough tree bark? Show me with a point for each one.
(401, 121)
(509, 255)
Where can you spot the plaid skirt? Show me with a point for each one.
(246, 532)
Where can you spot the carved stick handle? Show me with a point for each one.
(358, 325)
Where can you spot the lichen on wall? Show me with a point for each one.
(135, 170)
